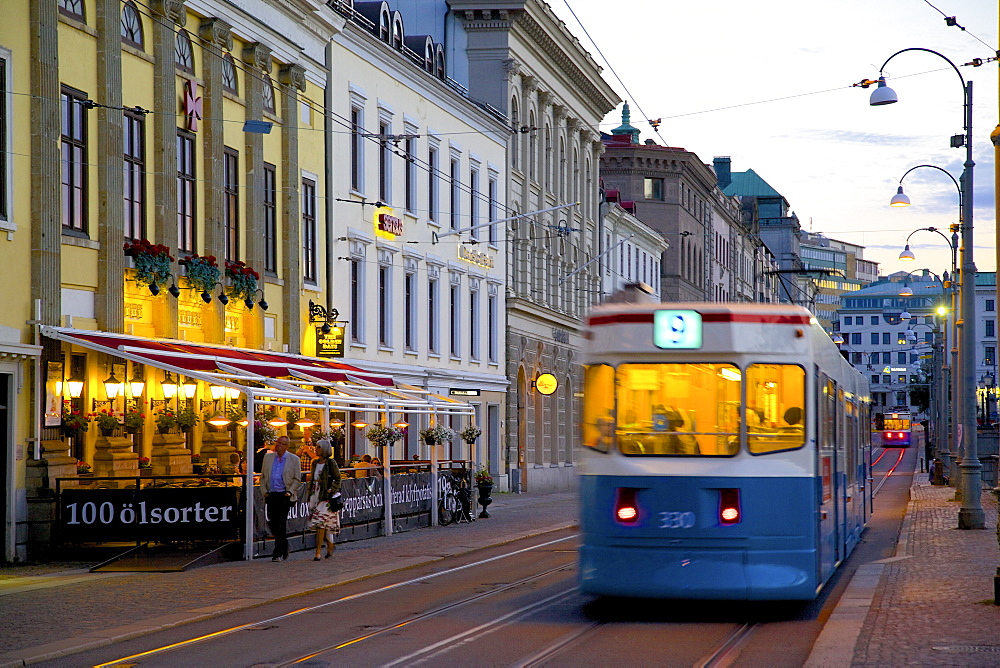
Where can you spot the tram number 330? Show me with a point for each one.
(676, 520)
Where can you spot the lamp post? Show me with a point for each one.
(971, 515)
(943, 438)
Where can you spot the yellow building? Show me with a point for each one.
(122, 122)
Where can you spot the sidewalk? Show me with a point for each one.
(50, 612)
(929, 605)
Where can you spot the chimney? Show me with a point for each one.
(723, 175)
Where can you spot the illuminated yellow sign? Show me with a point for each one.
(475, 257)
(546, 383)
(387, 226)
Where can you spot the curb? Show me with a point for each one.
(83, 643)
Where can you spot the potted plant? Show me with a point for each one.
(263, 433)
(145, 467)
(152, 263)
(134, 419)
(484, 483)
(73, 422)
(470, 434)
(292, 415)
(202, 272)
(242, 282)
(186, 419)
(106, 421)
(198, 463)
(382, 434)
(82, 468)
(166, 421)
(436, 434)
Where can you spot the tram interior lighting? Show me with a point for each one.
(626, 507)
(730, 374)
(729, 507)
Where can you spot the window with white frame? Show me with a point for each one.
(474, 201)
(385, 304)
(474, 326)
(433, 309)
(410, 181)
(357, 299)
(5, 130)
(432, 183)
(493, 186)
(74, 161)
(134, 128)
(384, 164)
(270, 219)
(492, 326)
(410, 310)
(186, 190)
(455, 317)
(357, 150)
(310, 233)
(456, 193)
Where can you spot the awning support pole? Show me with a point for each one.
(248, 483)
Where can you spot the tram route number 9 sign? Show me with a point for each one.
(193, 513)
(677, 329)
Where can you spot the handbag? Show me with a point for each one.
(336, 503)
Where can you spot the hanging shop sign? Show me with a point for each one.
(455, 392)
(546, 384)
(163, 513)
(330, 344)
(387, 225)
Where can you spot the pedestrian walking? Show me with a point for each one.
(280, 480)
(324, 496)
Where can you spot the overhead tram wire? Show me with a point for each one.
(950, 21)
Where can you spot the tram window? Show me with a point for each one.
(678, 409)
(599, 407)
(776, 397)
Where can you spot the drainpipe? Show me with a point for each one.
(328, 171)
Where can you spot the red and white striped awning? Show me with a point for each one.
(266, 376)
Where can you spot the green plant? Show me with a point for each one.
(197, 459)
(166, 420)
(134, 419)
(152, 263)
(381, 434)
(202, 271)
(483, 476)
(263, 433)
(106, 420)
(335, 434)
(242, 281)
(82, 467)
(437, 434)
(186, 418)
(470, 433)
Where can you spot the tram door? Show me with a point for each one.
(826, 411)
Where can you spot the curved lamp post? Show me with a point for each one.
(971, 515)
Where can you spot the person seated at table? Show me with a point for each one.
(377, 466)
(361, 467)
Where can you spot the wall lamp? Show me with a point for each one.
(320, 316)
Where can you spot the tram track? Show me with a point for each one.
(889, 473)
(276, 619)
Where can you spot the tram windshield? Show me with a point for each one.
(775, 400)
(664, 409)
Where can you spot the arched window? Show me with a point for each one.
(532, 146)
(268, 94)
(439, 62)
(547, 158)
(229, 80)
(429, 56)
(131, 25)
(397, 31)
(384, 20)
(73, 8)
(515, 139)
(183, 53)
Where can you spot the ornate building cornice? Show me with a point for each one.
(293, 75)
(216, 31)
(171, 9)
(257, 56)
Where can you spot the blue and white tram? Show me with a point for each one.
(727, 453)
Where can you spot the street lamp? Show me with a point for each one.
(971, 515)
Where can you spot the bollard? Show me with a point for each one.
(937, 472)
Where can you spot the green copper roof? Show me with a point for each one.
(749, 183)
(626, 128)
